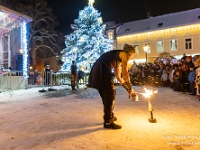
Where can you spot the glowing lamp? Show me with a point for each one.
(20, 51)
(146, 50)
(91, 2)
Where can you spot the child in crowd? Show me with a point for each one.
(39, 79)
(177, 82)
(191, 79)
(164, 78)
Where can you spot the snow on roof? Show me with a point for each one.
(10, 19)
(161, 22)
(114, 26)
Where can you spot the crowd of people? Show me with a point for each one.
(182, 76)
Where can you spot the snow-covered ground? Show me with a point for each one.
(66, 120)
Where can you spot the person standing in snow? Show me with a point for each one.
(47, 75)
(73, 74)
(101, 78)
(35, 76)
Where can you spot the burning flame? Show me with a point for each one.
(148, 93)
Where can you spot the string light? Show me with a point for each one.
(88, 41)
(170, 31)
(24, 49)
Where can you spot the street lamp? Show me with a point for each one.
(146, 50)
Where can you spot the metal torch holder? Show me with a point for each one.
(151, 119)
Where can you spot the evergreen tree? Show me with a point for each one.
(88, 40)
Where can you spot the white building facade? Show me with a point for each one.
(176, 33)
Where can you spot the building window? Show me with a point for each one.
(160, 46)
(173, 45)
(127, 30)
(110, 35)
(160, 24)
(136, 49)
(188, 43)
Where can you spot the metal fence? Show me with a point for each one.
(14, 80)
(49, 78)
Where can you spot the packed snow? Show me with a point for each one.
(63, 119)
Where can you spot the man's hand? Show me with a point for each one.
(132, 93)
(128, 87)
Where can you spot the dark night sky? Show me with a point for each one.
(117, 10)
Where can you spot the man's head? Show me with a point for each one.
(73, 62)
(130, 49)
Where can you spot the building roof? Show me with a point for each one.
(10, 19)
(112, 26)
(161, 22)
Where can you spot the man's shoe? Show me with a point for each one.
(114, 119)
(112, 125)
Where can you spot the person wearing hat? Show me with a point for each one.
(101, 78)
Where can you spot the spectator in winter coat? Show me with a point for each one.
(191, 79)
(35, 76)
(177, 82)
(47, 75)
(81, 74)
(73, 69)
(164, 78)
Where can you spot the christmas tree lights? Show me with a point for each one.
(24, 49)
(88, 40)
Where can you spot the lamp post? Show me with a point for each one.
(57, 58)
(146, 50)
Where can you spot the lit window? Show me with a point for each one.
(160, 46)
(173, 45)
(110, 35)
(188, 43)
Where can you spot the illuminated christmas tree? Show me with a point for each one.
(88, 40)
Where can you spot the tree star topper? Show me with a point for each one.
(91, 2)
